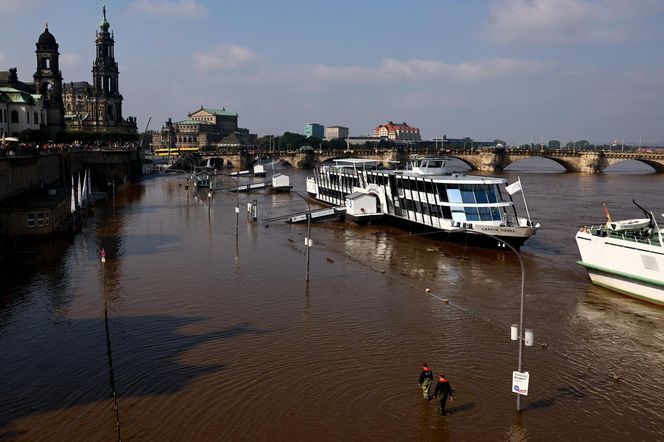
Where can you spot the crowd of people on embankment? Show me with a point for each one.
(27, 149)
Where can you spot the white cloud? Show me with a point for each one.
(69, 60)
(223, 57)
(19, 7)
(415, 69)
(568, 20)
(170, 8)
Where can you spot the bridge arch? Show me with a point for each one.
(567, 165)
(658, 167)
(465, 161)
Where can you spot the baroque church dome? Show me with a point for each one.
(47, 41)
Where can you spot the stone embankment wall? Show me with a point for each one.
(20, 174)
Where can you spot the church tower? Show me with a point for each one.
(105, 78)
(48, 81)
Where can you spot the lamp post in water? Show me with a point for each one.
(237, 204)
(523, 337)
(307, 240)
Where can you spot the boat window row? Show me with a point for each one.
(426, 208)
(452, 193)
(335, 185)
(472, 193)
(420, 185)
(380, 179)
(483, 213)
(336, 194)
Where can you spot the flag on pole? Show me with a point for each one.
(608, 215)
(80, 191)
(514, 187)
(72, 208)
(85, 186)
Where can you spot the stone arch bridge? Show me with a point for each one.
(484, 160)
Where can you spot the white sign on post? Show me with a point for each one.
(520, 382)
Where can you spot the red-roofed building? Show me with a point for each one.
(394, 131)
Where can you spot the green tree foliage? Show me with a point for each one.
(264, 142)
(582, 144)
(289, 141)
(554, 144)
(337, 144)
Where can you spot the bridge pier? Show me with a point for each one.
(591, 163)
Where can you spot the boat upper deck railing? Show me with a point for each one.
(639, 236)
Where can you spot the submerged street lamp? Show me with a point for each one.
(308, 242)
(517, 331)
(237, 205)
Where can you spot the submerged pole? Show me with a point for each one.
(109, 353)
(111, 374)
(307, 240)
(521, 331)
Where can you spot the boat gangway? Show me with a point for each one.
(316, 215)
(250, 186)
(241, 173)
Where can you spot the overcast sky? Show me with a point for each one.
(511, 69)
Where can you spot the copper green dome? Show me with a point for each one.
(104, 24)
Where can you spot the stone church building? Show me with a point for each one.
(97, 107)
(75, 106)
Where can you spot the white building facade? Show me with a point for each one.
(20, 111)
(333, 132)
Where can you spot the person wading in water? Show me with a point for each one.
(426, 377)
(442, 392)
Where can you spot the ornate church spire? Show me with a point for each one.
(104, 24)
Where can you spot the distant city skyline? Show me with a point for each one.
(518, 70)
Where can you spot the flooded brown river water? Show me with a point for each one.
(220, 338)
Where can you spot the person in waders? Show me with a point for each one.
(442, 392)
(426, 377)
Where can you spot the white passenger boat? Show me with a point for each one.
(625, 256)
(460, 207)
